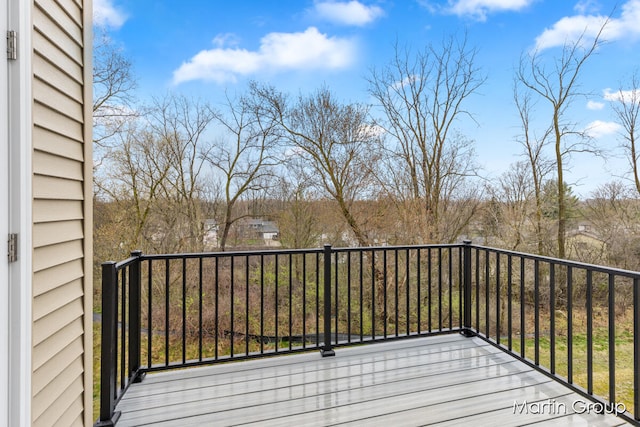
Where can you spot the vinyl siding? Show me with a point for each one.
(49, 142)
(55, 343)
(52, 188)
(55, 366)
(54, 255)
(55, 277)
(49, 233)
(62, 334)
(57, 210)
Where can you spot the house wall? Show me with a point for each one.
(61, 380)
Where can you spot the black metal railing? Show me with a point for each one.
(574, 322)
(164, 312)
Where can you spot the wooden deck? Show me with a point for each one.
(445, 380)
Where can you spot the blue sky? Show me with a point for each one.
(203, 47)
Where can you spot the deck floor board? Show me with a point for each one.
(444, 380)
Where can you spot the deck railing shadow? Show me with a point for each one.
(563, 318)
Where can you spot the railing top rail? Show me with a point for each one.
(122, 264)
(232, 253)
(564, 262)
(395, 248)
(286, 251)
(557, 261)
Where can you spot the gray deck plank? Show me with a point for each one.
(418, 409)
(412, 408)
(444, 379)
(309, 398)
(322, 371)
(364, 353)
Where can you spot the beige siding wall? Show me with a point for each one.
(61, 381)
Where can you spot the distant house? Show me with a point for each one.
(586, 233)
(46, 224)
(267, 230)
(260, 229)
(584, 242)
(245, 232)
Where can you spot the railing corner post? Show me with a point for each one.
(327, 350)
(135, 305)
(466, 319)
(108, 372)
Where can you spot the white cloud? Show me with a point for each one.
(586, 6)
(479, 9)
(631, 96)
(598, 129)
(347, 13)
(570, 28)
(277, 52)
(228, 39)
(405, 82)
(106, 14)
(593, 105)
(370, 132)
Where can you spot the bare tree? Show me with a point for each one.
(153, 172)
(244, 158)
(333, 145)
(130, 181)
(539, 166)
(558, 87)
(626, 105)
(180, 124)
(119, 162)
(297, 217)
(514, 191)
(113, 85)
(612, 210)
(423, 97)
